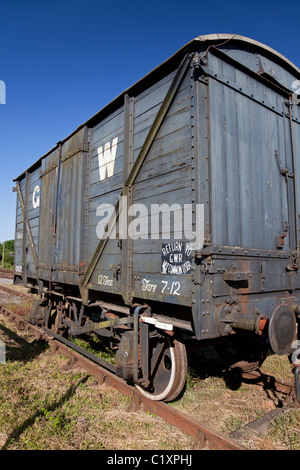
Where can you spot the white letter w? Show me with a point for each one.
(107, 158)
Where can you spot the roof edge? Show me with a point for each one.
(173, 61)
(224, 38)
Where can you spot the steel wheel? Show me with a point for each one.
(168, 367)
(53, 322)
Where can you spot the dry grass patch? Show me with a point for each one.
(45, 406)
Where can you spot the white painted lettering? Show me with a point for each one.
(106, 159)
(36, 197)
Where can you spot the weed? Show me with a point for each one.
(286, 429)
(232, 424)
(45, 407)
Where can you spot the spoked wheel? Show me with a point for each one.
(168, 369)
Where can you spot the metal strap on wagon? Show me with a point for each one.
(139, 161)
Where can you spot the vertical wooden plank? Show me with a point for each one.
(127, 246)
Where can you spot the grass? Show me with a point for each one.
(46, 405)
(226, 404)
(95, 346)
(285, 431)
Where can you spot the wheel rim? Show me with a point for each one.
(168, 367)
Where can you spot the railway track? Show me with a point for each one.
(6, 274)
(203, 436)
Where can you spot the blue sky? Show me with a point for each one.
(63, 60)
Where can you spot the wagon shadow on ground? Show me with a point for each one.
(16, 433)
(206, 362)
(18, 348)
(223, 362)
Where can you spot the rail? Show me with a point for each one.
(203, 436)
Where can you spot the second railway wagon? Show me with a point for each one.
(171, 217)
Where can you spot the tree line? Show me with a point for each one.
(7, 254)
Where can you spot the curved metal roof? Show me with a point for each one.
(208, 41)
(212, 39)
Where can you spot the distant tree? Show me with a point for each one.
(8, 261)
